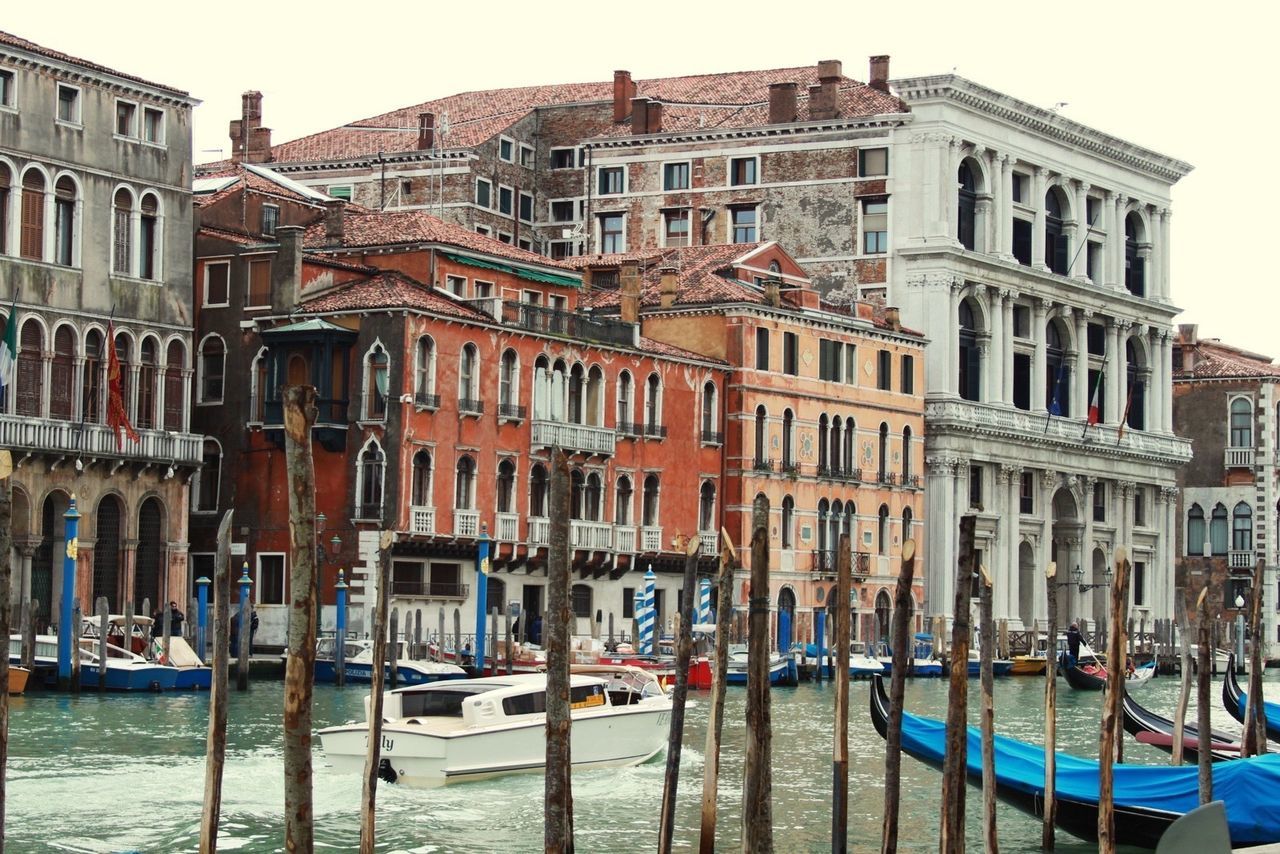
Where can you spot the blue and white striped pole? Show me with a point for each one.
(704, 601)
(650, 612)
(637, 613)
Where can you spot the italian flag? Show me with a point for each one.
(1095, 409)
(9, 348)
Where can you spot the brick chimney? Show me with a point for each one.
(426, 131)
(773, 292)
(629, 290)
(668, 289)
(878, 75)
(892, 317)
(334, 216)
(654, 120)
(639, 115)
(250, 141)
(623, 91)
(782, 103)
(286, 272)
(824, 98)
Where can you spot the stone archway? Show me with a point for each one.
(46, 569)
(1065, 550)
(1027, 584)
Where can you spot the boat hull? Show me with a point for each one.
(1028, 665)
(357, 671)
(148, 678)
(1153, 729)
(738, 675)
(194, 678)
(610, 738)
(1236, 701)
(18, 679)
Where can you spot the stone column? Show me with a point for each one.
(1080, 380)
(1006, 557)
(1039, 311)
(1114, 372)
(1158, 386)
(1038, 188)
(1080, 249)
(1117, 240)
(995, 354)
(952, 342)
(1087, 485)
(1165, 247)
(1155, 263)
(128, 572)
(1166, 359)
(950, 184)
(1006, 394)
(26, 550)
(186, 399)
(1004, 209)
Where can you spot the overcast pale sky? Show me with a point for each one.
(1186, 80)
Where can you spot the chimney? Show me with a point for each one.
(1187, 333)
(878, 76)
(426, 131)
(246, 139)
(639, 115)
(773, 292)
(824, 97)
(653, 124)
(782, 103)
(623, 91)
(668, 288)
(259, 146)
(334, 215)
(892, 317)
(629, 288)
(286, 272)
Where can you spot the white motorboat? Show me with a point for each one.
(736, 674)
(862, 664)
(446, 732)
(358, 666)
(126, 671)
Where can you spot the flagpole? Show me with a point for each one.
(1102, 372)
(7, 381)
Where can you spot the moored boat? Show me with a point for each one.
(446, 732)
(1148, 798)
(736, 674)
(17, 679)
(126, 671)
(1093, 677)
(1236, 701)
(358, 664)
(1149, 728)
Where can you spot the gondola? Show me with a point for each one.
(1150, 728)
(1236, 701)
(1148, 798)
(1082, 681)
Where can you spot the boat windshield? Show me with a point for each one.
(436, 704)
(535, 702)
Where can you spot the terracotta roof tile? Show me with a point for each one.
(10, 40)
(240, 237)
(1216, 360)
(388, 289)
(258, 179)
(701, 275)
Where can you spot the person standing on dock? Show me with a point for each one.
(175, 620)
(1074, 639)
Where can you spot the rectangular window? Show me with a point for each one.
(1093, 260)
(506, 200)
(611, 233)
(526, 207)
(526, 156)
(908, 378)
(851, 364)
(1027, 493)
(340, 191)
(1096, 335)
(153, 125)
(829, 359)
(1021, 321)
(975, 487)
(259, 285)
(6, 88)
(675, 176)
(1093, 210)
(1019, 189)
(126, 119)
(1022, 240)
(270, 586)
(612, 181)
(270, 219)
(742, 171)
(875, 226)
(790, 354)
(506, 150)
(562, 158)
(562, 211)
(216, 283)
(744, 224)
(484, 230)
(561, 249)
(675, 228)
(483, 290)
(1140, 584)
(484, 193)
(1139, 508)
(525, 243)
(762, 349)
(504, 237)
(873, 162)
(884, 376)
(628, 603)
(1022, 381)
(68, 104)
(1100, 502)
(456, 285)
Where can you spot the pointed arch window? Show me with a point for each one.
(1218, 530)
(788, 427)
(710, 415)
(707, 507)
(824, 539)
(124, 356)
(788, 521)
(653, 405)
(65, 198)
(424, 373)
(622, 501)
(907, 518)
(538, 491)
(30, 380)
(1242, 528)
(31, 239)
(420, 485)
(373, 464)
(62, 374)
(626, 408)
(593, 498)
(906, 454)
(377, 366)
(882, 535)
(1195, 530)
(91, 400)
(175, 403)
(506, 486)
(824, 461)
(762, 456)
(508, 385)
(594, 402)
(883, 470)
(122, 233)
(147, 376)
(464, 491)
(651, 500)
(469, 379)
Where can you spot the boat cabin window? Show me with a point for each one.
(580, 697)
(433, 704)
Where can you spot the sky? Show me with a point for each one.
(1169, 76)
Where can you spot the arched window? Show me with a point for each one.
(577, 482)
(882, 530)
(506, 486)
(907, 518)
(62, 373)
(906, 454)
(124, 356)
(122, 233)
(149, 238)
(835, 521)
(577, 394)
(420, 488)
(1056, 252)
(91, 400)
(464, 491)
(824, 540)
(970, 364)
(1057, 397)
(824, 461)
(884, 453)
(625, 405)
(1136, 404)
(594, 403)
(710, 417)
(468, 377)
(65, 195)
(653, 404)
(788, 521)
(205, 488)
(6, 184)
(788, 427)
(175, 402)
(593, 498)
(968, 204)
(622, 501)
(762, 455)
(651, 501)
(1241, 423)
(1242, 528)
(1195, 530)
(213, 354)
(538, 490)
(508, 385)
(30, 397)
(707, 507)
(850, 436)
(147, 376)
(31, 241)
(377, 371)
(1134, 264)
(1218, 530)
(372, 468)
(835, 444)
(424, 373)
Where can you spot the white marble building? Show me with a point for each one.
(1034, 254)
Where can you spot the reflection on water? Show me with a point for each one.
(126, 773)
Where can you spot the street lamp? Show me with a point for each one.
(335, 542)
(1240, 633)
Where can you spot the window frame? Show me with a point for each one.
(132, 133)
(862, 161)
(275, 221)
(556, 149)
(198, 486)
(160, 139)
(621, 171)
(202, 374)
(260, 588)
(668, 166)
(529, 161)
(621, 234)
(250, 261)
(8, 90)
(77, 122)
(731, 171)
(521, 197)
(734, 226)
(864, 214)
(510, 145)
(671, 215)
(475, 197)
(510, 193)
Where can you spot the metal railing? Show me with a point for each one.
(512, 411)
(425, 400)
(911, 480)
(791, 467)
(712, 437)
(574, 437)
(552, 321)
(470, 406)
(630, 429)
(655, 431)
(430, 589)
(762, 465)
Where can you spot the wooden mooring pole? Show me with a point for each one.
(955, 762)
(1184, 672)
(987, 715)
(1047, 839)
(299, 670)
(373, 751)
(757, 780)
(684, 651)
(902, 604)
(216, 747)
(1255, 734)
(1111, 705)
(715, 723)
(1205, 654)
(101, 609)
(840, 736)
(558, 788)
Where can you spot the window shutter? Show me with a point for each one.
(32, 224)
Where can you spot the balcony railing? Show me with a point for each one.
(539, 530)
(508, 527)
(590, 535)
(762, 465)
(911, 480)
(650, 539)
(466, 523)
(791, 468)
(712, 437)
(430, 589)
(1238, 458)
(574, 437)
(655, 431)
(824, 561)
(887, 477)
(511, 412)
(551, 321)
(624, 539)
(48, 436)
(1239, 559)
(710, 546)
(422, 520)
(630, 429)
(425, 400)
(468, 406)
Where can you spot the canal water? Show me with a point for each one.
(126, 773)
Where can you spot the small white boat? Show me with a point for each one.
(359, 664)
(446, 732)
(736, 673)
(126, 671)
(862, 664)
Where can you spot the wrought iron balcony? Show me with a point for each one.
(655, 431)
(511, 411)
(574, 437)
(468, 406)
(762, 465)
(791, 468)
(426, 401)
(430, 589)
(551, 321)
(630, 429)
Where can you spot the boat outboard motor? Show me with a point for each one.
(386, 772)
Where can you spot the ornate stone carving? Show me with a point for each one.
(1009, 472)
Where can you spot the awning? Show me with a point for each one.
(530, 275)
